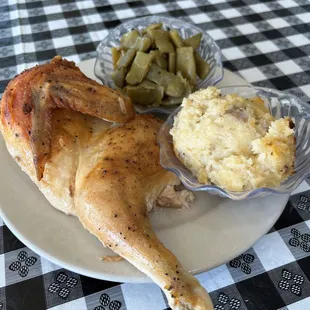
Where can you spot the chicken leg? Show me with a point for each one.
(111, 195)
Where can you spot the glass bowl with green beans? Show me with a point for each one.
(157, 61)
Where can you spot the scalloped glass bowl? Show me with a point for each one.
(280, 105)
(208, 50)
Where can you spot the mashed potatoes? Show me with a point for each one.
(233, 142)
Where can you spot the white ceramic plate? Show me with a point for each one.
(212, 232)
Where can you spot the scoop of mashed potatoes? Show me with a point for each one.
(233, 142)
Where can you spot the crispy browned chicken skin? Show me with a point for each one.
(31, 96)
(103, 175)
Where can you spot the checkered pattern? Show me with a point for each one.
(268, 43)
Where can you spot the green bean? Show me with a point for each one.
(116, 54)
(143, 44)
(140, 95)
(175, 38)
(202, 67)
(139, 68)
(175, 88)
(193, 41)
(127, 58)
(152, 27)
(159, 59)
(172, 60)
(158, 34)
(188, 87)
(145, 93)
(118, 76)
(159, 95)
(171, 82)
(158, 91)
(186, 63)
(169, 100)
(164, 45)
(133, 39)
(129, 39)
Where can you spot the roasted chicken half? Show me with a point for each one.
(54, 122)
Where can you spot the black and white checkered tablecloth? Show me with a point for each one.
(268, 43)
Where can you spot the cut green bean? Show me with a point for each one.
(116, 54)
(172, 61)
(118, 76)
(152, 27)
(143, 44)
(186, 63)
(175, 38)
(133, 39)
(202, 67)
(159, 59)
(129, 39)
(171, 82)
(164, 45)
(127, 58)
(169, 100)
(139, 68)
(158, 34)
(193, 41)
(145, 93)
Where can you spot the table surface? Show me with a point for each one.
(266, 42)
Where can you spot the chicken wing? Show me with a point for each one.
(105, 175)
(57, 84)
